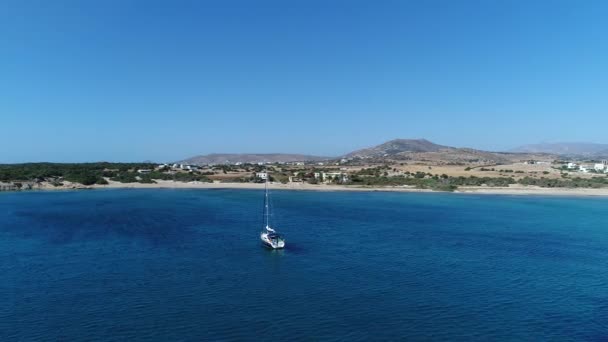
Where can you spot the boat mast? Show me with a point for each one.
(266, 204)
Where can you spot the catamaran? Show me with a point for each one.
(270, 238)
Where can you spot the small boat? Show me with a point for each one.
(270, 238)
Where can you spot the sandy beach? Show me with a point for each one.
(512, 190)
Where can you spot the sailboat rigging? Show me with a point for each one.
(270, 238)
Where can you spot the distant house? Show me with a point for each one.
(599, 167)
(583, 168)
(571, 166)
(262, 175)
(340, 176)
(144, 171)
(329, 176)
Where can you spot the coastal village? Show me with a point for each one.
(398, 164)
(345, 172)
(589, 168)
(341, 171)
(293, 172)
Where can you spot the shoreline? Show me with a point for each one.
(518, 190)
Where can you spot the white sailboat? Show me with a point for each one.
(270, 238)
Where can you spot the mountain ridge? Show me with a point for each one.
(396, 146)
(395, 149)
(232, 158)
(565, 148)
(425, 150)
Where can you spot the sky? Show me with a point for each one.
(121, 80)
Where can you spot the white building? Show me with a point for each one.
(144, 171)
(599, 167)
(342, 177)
(262, 175)
(584, 169)
(328, 176)
(572, 166)
(295, 179)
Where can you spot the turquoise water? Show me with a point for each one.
(187, 265)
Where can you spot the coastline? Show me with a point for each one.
(518, 190)
(482, 190)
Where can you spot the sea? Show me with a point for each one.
(187, 265)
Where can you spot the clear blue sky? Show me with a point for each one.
(125, 80)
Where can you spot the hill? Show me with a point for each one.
(395, 147)
(232, 158)
(413, 150)
(423, 150)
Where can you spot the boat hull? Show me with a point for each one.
(268, 245)
(272, 243)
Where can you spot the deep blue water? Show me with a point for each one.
(187, 265)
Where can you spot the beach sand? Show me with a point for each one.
(511, 190)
